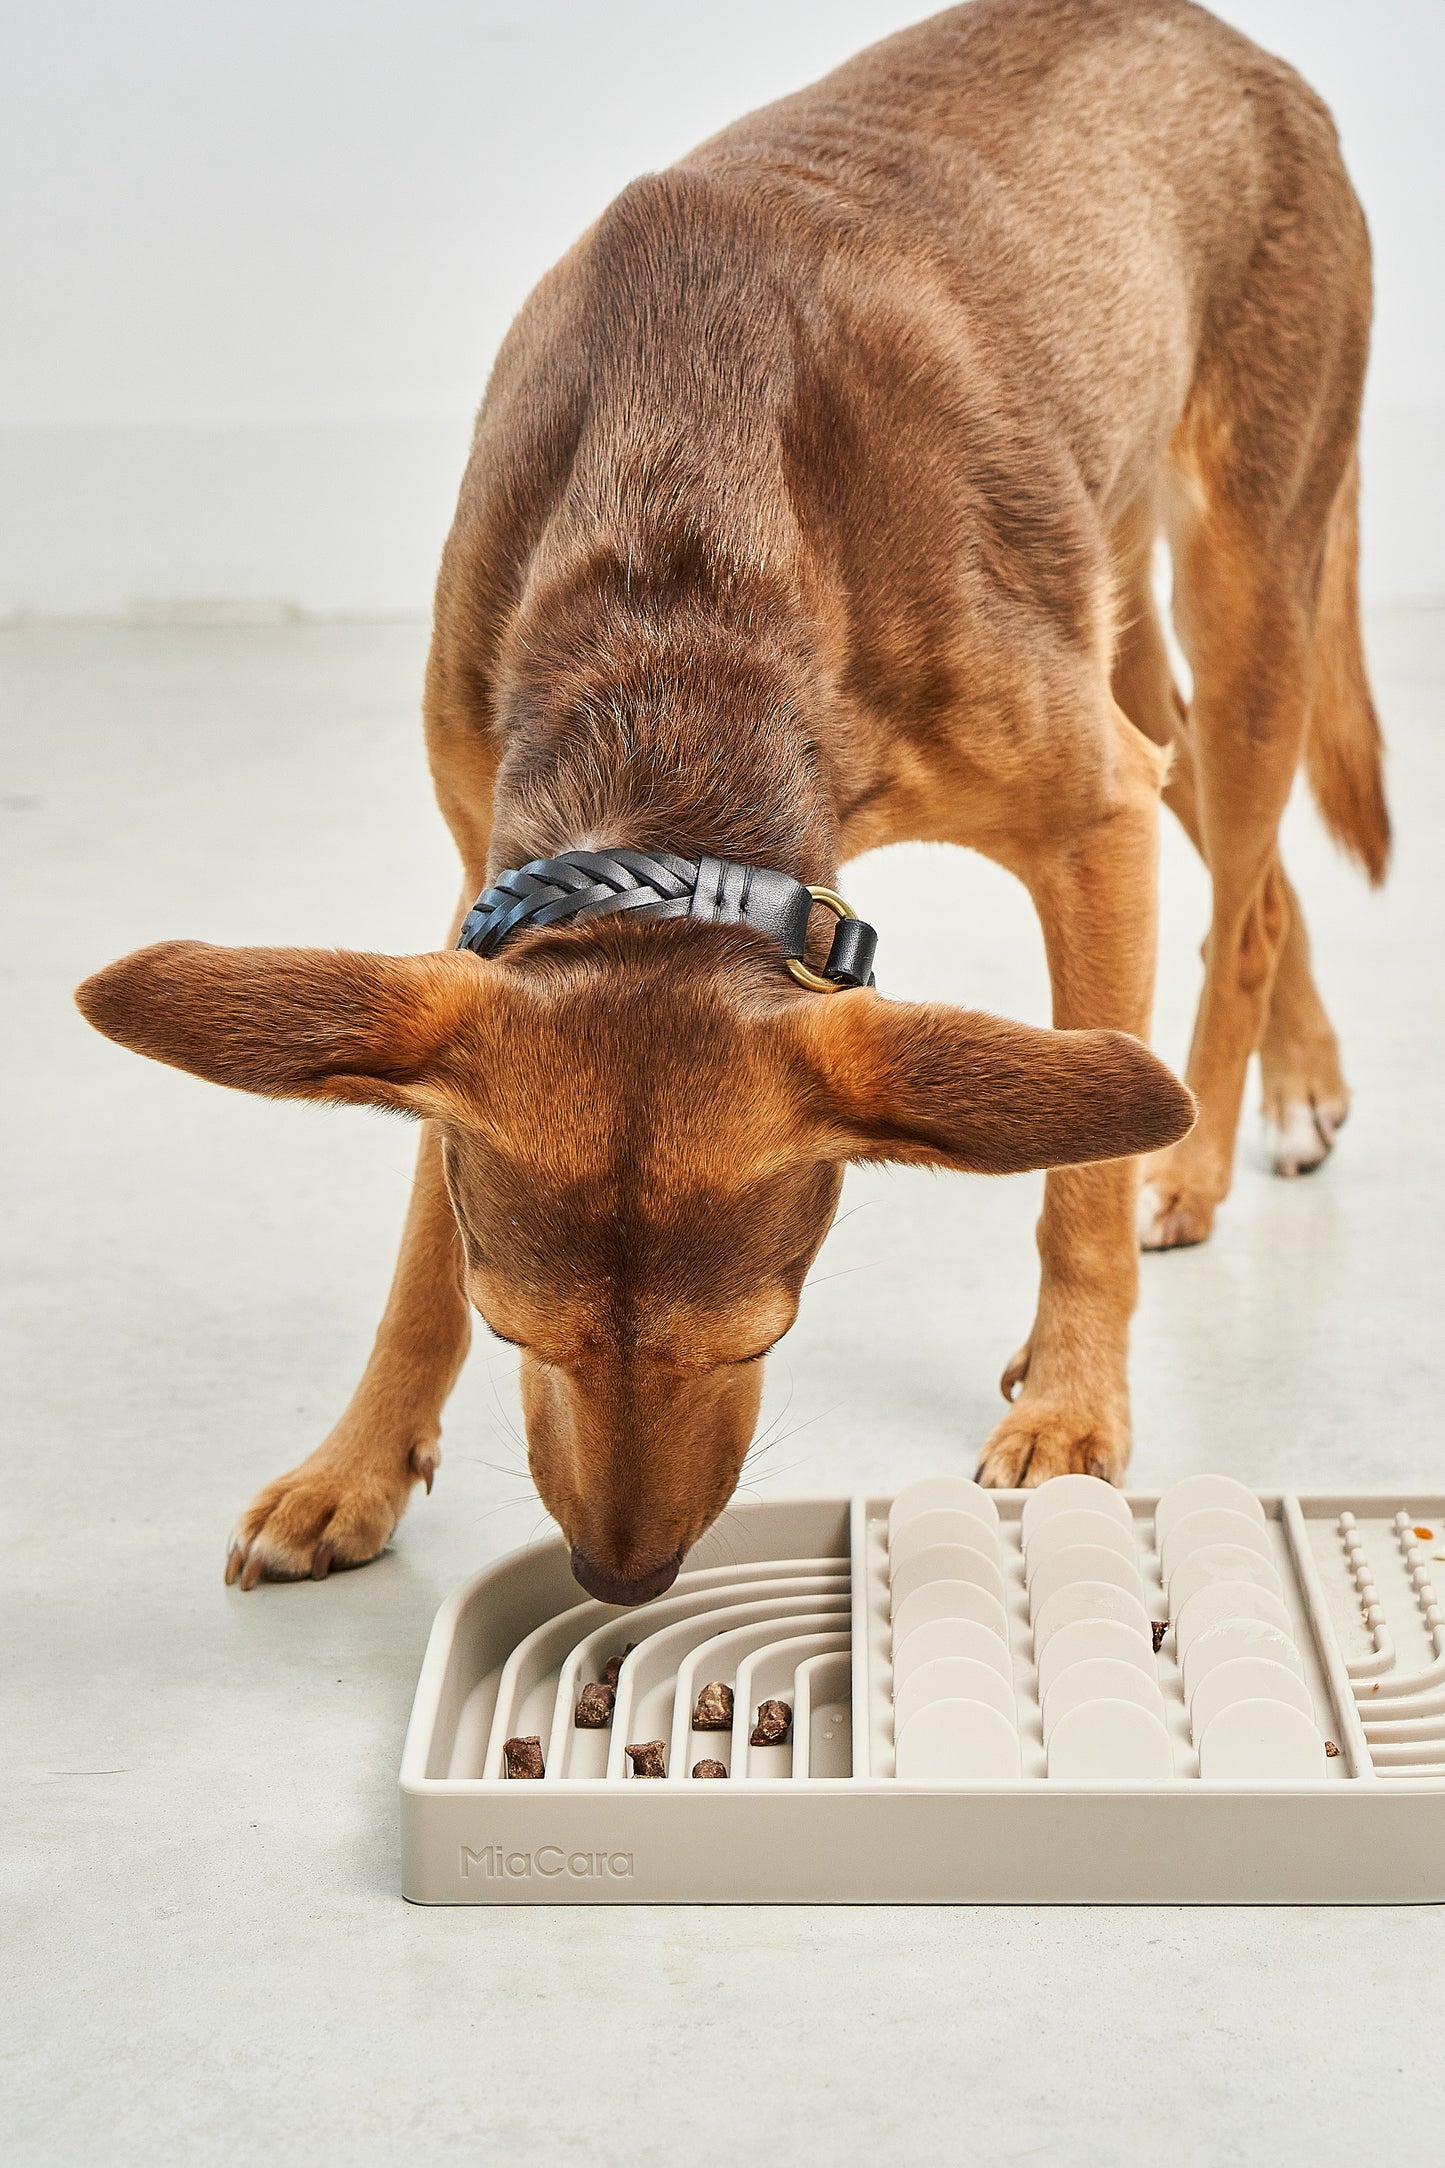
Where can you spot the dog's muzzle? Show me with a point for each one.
(655, 884)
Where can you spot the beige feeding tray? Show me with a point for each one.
(1065, 1695)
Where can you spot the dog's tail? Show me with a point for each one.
(1344, 749)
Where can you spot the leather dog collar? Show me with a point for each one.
(655, 884)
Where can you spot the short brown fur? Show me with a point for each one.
(810, 509)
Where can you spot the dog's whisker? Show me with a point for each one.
(507, 1424)
(864, 1204)
(843, 1272)
(497, 1467)
(771, 1475)
(507, 1505)
(767, 1443)
(774, 1421)
(723, 1528)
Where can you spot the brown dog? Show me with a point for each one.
(811, 508)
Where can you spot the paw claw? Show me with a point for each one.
(235, 1558)
(321, 1559)
(1015, 1372)
(424, 1461)
(251, 1573)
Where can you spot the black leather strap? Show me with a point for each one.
(655, 884)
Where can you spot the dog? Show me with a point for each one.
(811, 508)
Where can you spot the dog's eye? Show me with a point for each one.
(762, 1351)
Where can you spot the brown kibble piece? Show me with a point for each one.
(523, 1757)
(774, 1722)
(646, 1759)
(614, 1664)
(714, 1711)
(709, 1769)
(594, 1708)
(1332, 1752)
(1158, 1627)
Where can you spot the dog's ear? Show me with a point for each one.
(303, 1023)
(943, 1087)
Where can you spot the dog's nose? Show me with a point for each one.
(612, 1588)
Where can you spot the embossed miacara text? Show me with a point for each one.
(547, 1860)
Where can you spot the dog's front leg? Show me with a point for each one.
(1096, 894)
(341, 1504)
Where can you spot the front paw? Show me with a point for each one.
(339, 1508)
(1037, 1439)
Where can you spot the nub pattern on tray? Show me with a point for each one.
(1092, 1626)
(1402, 1710)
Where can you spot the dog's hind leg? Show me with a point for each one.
(1305, 1097)
(1249, 641)
(1261, 524)
(1250, 614)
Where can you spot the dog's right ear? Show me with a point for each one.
(306, 1023)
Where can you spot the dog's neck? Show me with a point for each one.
(662, 690)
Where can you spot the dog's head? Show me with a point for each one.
(644, 1133)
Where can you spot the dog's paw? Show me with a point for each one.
(1299, 1134)
(1036, 1440)
(1304, 1097)
(334, 1510)
(1172, 1215)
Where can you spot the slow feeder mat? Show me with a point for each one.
(1065, 1695)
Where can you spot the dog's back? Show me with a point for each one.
(1068, 196)
(1090, 179)
(938, 342)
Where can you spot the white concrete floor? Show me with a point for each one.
(205, 1955)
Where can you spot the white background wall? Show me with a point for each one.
(256, 256)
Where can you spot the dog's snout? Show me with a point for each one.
(610, 1587)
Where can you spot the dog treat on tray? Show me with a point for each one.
(646, 1759)
(714, 1711)
(594, 1707)
(614, 1664)
(709, 1769)
(1158, 1628)
(523, 1757)
(774, 1722)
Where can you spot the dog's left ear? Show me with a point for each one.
(388, 1031)
(942, 1087)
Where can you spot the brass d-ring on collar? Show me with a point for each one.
(804, 975)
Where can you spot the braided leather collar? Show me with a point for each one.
(655, 884)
